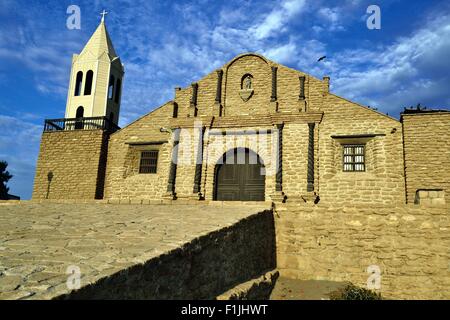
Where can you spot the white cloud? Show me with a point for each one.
(330, 14)
(277, 18)
(286, 53)
(45, 54)
(332, 18)
(411, 70)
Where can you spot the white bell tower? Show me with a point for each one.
(96, 79)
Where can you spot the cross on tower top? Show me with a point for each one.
(103, 14)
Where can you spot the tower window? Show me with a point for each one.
(195, 112)
(149, 161)
(79, 115)
(117, 94)
(88, 84)
(78, 83)
(354, 157)
(80, 112)
(111, 87)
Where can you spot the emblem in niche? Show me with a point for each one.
(246, 91)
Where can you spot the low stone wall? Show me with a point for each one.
(409, 244)
(426, 138)
(200, 269)
(221, 251)
(255, 289)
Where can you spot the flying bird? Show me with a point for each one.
(321, 58)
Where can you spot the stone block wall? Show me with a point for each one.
(202, 269)
(206, 99)
(288, 90)
(409, 244)
(260, 70)
(383, 180)
(187, 155)
(427, 157)
(123, 180)
(295, 160)
(76, 160)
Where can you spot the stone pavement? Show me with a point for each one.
(296, 289)
(40, 241)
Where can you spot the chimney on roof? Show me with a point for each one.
(326, 80)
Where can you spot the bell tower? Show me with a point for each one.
(96, 79)
(73, 151)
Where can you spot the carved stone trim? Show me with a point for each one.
(219, 86)
(215, 132)
(310, 176)
(145, 143)
(279, 174)
(301, 95)
(246, 94)
(173, 163)
(274, 84)
(194, 94)
(199, 160)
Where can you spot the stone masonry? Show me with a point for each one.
(331, 223)
(75, 161)
(408, 244)
(132, 251)
(382, 182)
(427, 157)
(218, 249)
(394, 153)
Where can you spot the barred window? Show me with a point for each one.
(149, 161)
(354, 158)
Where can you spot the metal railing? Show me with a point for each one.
(91, 123)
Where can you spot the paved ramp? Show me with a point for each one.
(41, 243)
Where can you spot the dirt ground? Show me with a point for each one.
(294, 289)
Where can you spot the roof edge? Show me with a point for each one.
(360, 105)
(143, 116)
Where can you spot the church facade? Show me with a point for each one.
(252, 130)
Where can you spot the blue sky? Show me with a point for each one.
(165, 44)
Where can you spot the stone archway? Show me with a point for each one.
(239, 176)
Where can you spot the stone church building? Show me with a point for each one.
(252, 130)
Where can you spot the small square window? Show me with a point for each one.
(149, 161)
(354, 157)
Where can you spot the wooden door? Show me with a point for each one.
(240, 181)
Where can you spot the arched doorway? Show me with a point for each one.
(239, 176)
(79, 115)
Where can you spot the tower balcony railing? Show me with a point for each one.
(85, 123)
